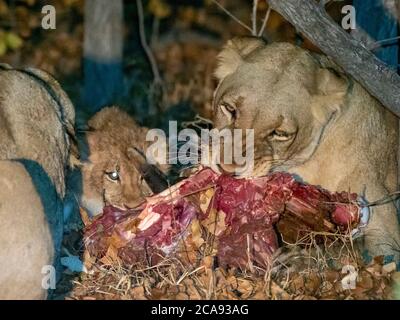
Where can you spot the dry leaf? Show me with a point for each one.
(117, 241)
(245, 287)
(208, 262)
(84, 216)
(297, 284)
(215, 222)
(312, 283)
(205, 199)
(138, 293)
(196, 233)
(365, 280)
(111, 256)
(278, 293)
(88, 260)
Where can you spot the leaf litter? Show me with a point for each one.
(174, 245)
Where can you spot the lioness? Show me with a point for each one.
(312, 120)
(36, 123)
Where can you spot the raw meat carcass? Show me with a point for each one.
(254, 211)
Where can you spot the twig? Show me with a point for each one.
(391, 197)
(379, 43)
(155, 32)
(143, 41)
(265, 21)
(250, 263)
(232, 16)
(254, 18)
(188, 274)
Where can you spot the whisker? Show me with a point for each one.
(186, 157)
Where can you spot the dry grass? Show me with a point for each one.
(307, 269)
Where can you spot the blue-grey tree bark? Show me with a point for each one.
(378, 20)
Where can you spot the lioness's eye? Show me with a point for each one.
(228, 110)
(114, 175)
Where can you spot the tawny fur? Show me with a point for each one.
(112, 137)
(31, 129)
(339, 136)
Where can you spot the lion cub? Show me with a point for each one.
(112, 173)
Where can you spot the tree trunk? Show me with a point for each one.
(103, 50)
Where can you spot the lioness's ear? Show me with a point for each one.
(330, 94)
(330, 83)
(234, 52)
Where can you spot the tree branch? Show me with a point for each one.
(146, 47)
(264, 23)
(232, 16)
(254, 18)
(312, 20)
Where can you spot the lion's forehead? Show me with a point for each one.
(263, 81)
(272, 96)
(108, 158)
